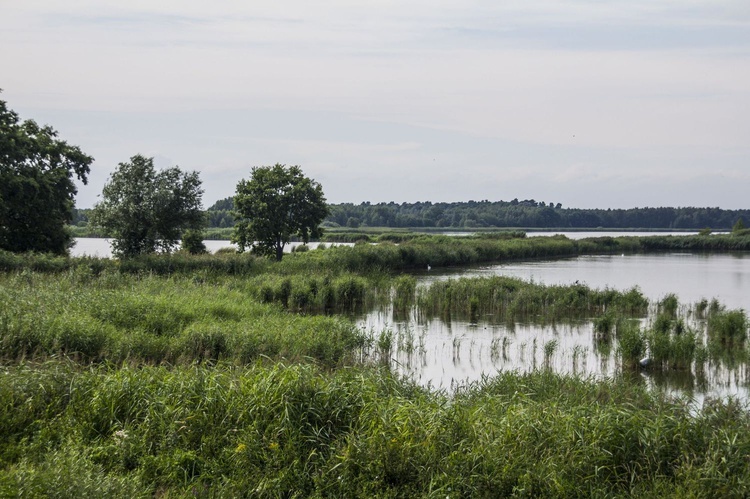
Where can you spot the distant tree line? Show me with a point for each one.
(527, 213)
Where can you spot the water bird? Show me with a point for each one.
(428, 267)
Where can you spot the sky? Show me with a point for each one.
(588, 103)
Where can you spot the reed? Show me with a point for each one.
(123, 318)
(266, 430)
(728, 328)
(506, 298)
(668, 306)
(631, 344)
(673, 348)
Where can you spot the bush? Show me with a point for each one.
(192, 242)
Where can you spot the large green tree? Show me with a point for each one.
(146, 211)
(275, 204)
(37, 187)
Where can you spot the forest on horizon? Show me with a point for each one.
(527, 213)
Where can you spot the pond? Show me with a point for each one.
(447, 353)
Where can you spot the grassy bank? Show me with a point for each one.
(413, 252)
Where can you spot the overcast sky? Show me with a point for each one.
(589, 103)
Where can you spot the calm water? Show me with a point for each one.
(100, 247)
(690, 276)
(443, 354)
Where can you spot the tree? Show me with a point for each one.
(37, 189)
(145, 211)
(192, 242)
(276, 203)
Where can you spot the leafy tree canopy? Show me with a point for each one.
(37, 188)
(276, 203)
(146, 211)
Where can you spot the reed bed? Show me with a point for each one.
(412, 252)
(507, 298)
(209, 376)
(298, 431)
(145, 318)
(718, 337)
(323, 292)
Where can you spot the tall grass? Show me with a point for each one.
(728, 328)
(279, 430)
(412, 252)
(510, 298)
(117, 317)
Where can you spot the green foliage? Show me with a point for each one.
(192, 242)
(145, 211)
(527, 214)
(119, 318)
(631, 344)
(37, 186)
(265, 430)
(171, 384)
(670, 344)
(668, 306)
(738, 226)
(604, 324)
(275, 204)
(728, 328)
(506, 298)
(523, 214)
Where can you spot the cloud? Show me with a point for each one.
(516, 93)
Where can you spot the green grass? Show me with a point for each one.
(119, 318)
(281, 430)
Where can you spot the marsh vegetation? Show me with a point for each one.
(231, 375)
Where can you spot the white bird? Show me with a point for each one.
(428, 267)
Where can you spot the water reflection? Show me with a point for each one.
(443, 352)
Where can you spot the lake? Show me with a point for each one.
(444, 354)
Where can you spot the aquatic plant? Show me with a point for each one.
(631, 344)
(505, 298)
(728, 328)
(668, 306)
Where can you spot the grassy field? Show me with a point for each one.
(233, 376)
